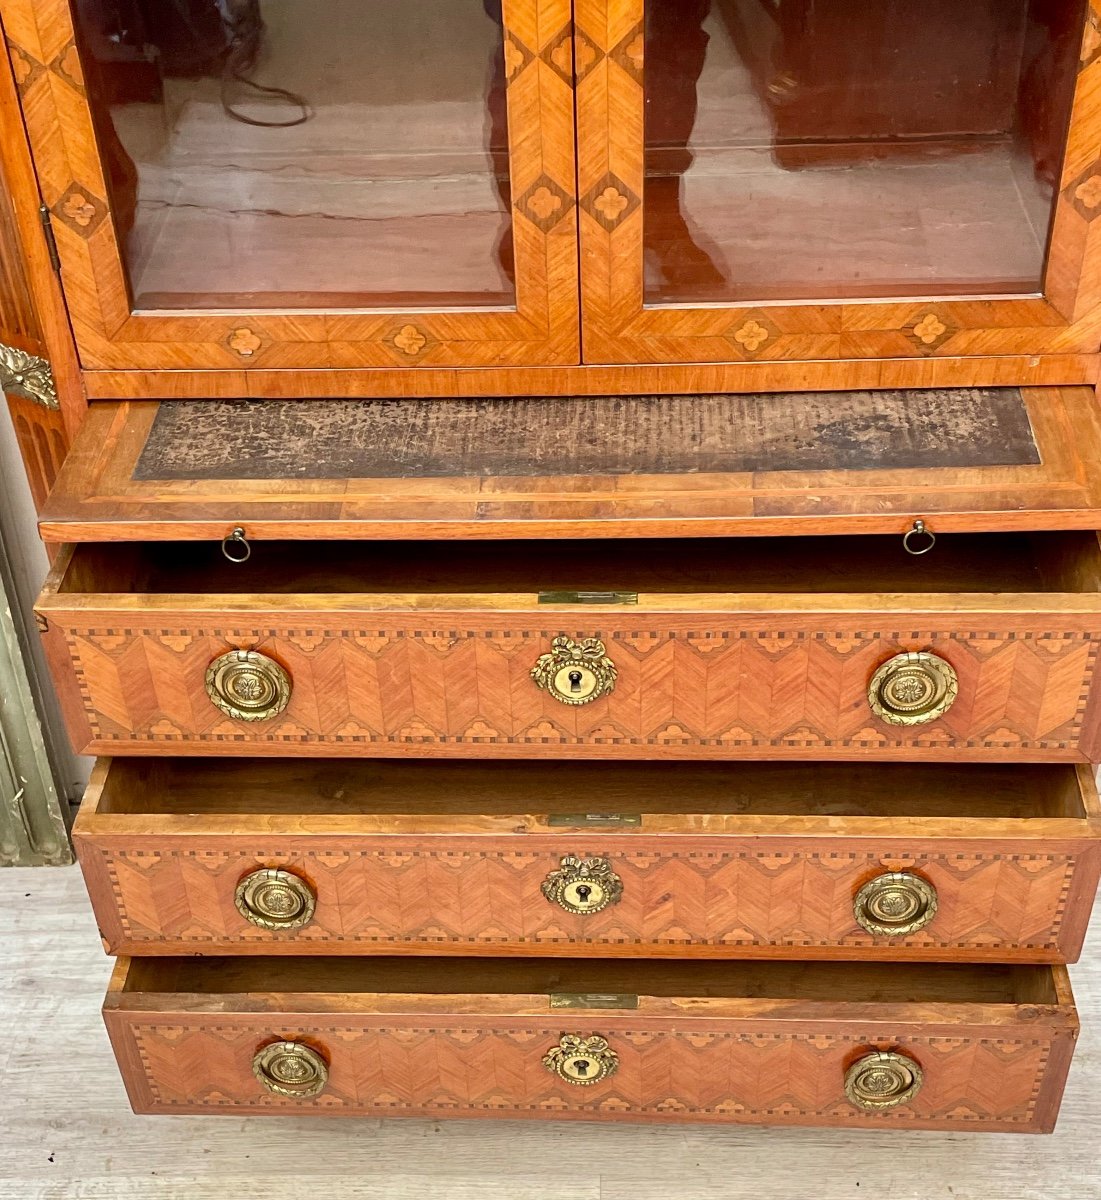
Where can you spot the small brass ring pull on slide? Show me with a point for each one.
(235, 546)
(575, 672)
(247, 685)
(895, 904)
(583, 885)
(582, 1060)
(913, 688)
(291, 1069)
(919, 539)
(271, 898)
(882, 1080)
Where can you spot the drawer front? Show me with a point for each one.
(973, 1077)
(710, 685)
(665, 895)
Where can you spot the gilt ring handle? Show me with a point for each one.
(913, 688)
(271, 898)
(895, 904)
(291, 1069)
(883, 1079)
(247, 685)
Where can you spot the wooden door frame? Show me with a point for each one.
(618, 327)
(543, 328)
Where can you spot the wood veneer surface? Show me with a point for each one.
(93, 1136)
(638, 467)
(699, 1041)
(706, 669)
(448, 791)
(715, 860)
(345, 979)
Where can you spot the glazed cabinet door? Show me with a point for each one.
(293, 184)
(835, 180)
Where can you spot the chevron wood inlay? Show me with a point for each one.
(794, 686)
(740, 1060)
(712, 860)
(461, 1071)
(765, 896)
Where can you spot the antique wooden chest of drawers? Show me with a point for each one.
(532, 807)
(575, 545)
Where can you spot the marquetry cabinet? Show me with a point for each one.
(545, 196)
(574, 534)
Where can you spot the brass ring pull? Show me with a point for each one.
(913, 689)
(912, 543)
(275, 899)
(895, 904)
(291, 1069)
(235, 547)
(882, 1080)
(248, 686)
(583, 885)
(582, 1060)
(575, 672)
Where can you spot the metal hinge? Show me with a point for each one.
(27, 375)
(51, 242)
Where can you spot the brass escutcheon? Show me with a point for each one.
(248, 686)
(291, 1069)
(575, 672)
(882, 1080)
(275, 899)
(583, 885)
(582, 1060)
(895, 904)
(913, 688)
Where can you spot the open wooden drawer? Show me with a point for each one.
(886, 861)
(829, 647)
(894, 1045)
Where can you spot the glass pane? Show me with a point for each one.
(304, 153)
(805, 149)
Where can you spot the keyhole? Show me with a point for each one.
(575, 681)
(584, 892)
(581, 1066)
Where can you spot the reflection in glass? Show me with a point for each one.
(304, 153)
(810, 149)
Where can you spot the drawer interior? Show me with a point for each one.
(852, 982)
(335, 787)
(981, 563)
